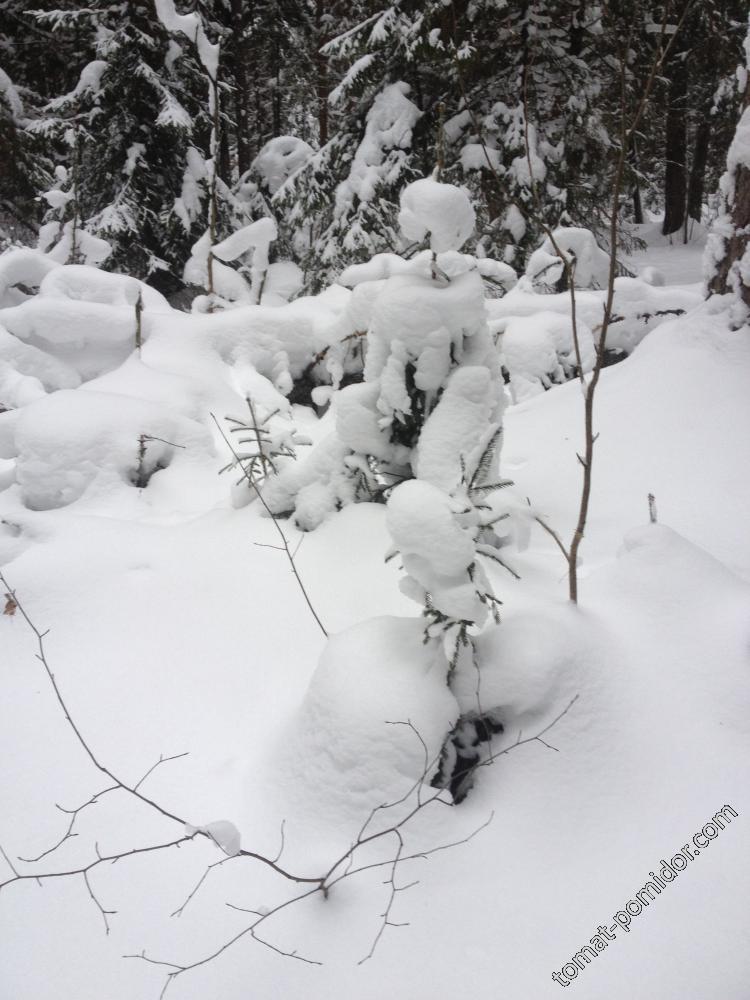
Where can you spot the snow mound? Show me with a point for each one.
(538, 351)
(436, 550)
(451, 263)
(223, 833)
(314, 486)
(71, 440)
(442, 210)
(528, 666)
(21, 266)
(32, 362)
(89, 284)
(88, 337)
(343, 748)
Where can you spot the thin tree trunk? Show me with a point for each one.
(276, 93)
(637, 201)
(322, 85)
(698, 168)
(675, 188)
(240, 56)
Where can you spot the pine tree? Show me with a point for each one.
(135, 123)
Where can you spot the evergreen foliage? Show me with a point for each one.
(518, 101)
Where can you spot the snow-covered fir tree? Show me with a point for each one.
(135, 124)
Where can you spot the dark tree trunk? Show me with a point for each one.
(738, 244)
(698, 168)
(637, 205)
(239, 61)
(322, 85)
(276, 92)
(637, 202)
(675, 188)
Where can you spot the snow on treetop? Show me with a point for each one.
(279, 159)
(192, 26)
(388, 133)
(442, 210)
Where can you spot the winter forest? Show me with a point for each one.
(374, 499)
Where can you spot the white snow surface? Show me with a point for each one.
(172, 631)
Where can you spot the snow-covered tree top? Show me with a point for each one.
(192, 26)
(389, 127)
(442, 210)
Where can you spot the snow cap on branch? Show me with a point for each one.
(192, 26)
(442, 210)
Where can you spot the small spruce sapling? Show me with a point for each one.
(260, 446)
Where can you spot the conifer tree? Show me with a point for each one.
(133, 121)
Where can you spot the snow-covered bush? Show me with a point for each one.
(431, 368)
(538, 351)
(441, 528)
(240, 269)
(589, 263)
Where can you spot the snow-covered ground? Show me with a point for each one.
(174, 627)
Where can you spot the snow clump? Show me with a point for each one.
(441, 210)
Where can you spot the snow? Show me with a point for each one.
(348, 746)
(455, 427)
(279, 158)
(21, 266)
(223, 832)
(590, 262)
(89, 80)
(9, 94)
(173, 631)
(192, 26)
(255, 236)
(71, 442)
(538, 350)
(442, 210)
(59, 242)
(379, 156)
(78, 282)
(90, 337)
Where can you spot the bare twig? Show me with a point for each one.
(386, 914)
(343, 867)
(105, 913)
(554, 535)
(179, 911)
(133, 790)
(284, 542)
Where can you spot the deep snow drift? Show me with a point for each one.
(175, 627)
